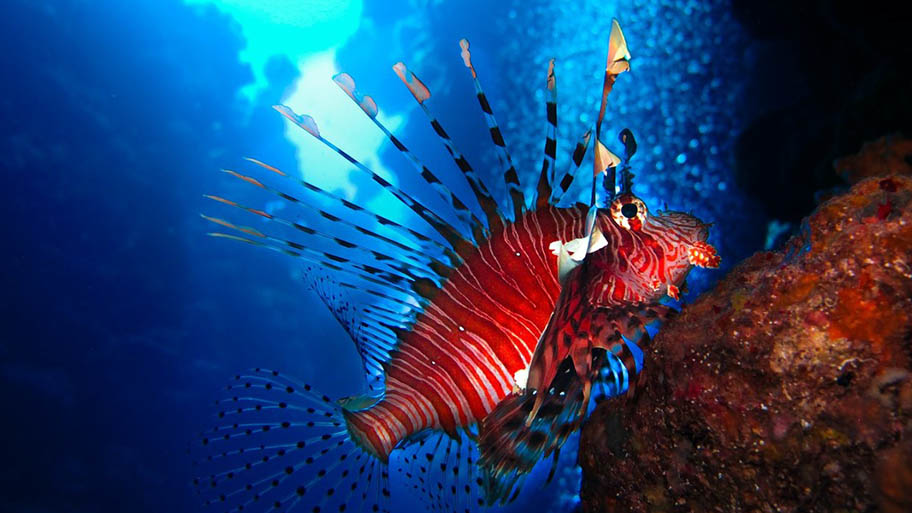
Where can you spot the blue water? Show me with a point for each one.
(122, 319)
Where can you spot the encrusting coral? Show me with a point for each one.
(789, 386)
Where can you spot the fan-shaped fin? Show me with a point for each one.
(280, 446)
(442, 471)
(373, 349)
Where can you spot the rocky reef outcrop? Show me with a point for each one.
(788, 387)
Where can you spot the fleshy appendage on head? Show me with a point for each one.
(694, 233)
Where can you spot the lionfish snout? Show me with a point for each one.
(694, 234)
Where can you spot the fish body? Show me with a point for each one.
(458, 360)
(604, 305)
(487, 347)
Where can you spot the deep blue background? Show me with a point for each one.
(120, 319)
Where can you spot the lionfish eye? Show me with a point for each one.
(629, 210)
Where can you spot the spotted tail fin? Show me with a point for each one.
(280, 446)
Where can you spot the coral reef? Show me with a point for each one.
(786, 388)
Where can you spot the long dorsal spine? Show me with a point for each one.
(456, 240)
(547, 175)
(408, 233)
(487, 202)
(511, 178)
(367, 104)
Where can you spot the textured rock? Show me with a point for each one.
(786, 388)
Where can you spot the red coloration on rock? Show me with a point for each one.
(787, 388)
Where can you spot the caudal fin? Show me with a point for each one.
(280, 446)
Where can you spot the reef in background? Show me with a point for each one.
(788, 387)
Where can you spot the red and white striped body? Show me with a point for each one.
(481, 330)
(459, 359)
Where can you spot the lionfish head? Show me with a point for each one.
(678, 237)
(661, 246)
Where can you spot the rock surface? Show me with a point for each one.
(786, 388)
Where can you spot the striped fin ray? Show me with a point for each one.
(510, 449)
(546, 178)
(367, 104)
(482, 195)
(408, 268)
(460, 244)
(381, 315)
(618, 62)
(441, 470)
(419, 238)
(611, 375)
(374, 350)
(418, 258)
(579, 152)
(370, 274)
(388, 278)
(279, 445)
(409, 303)
(509, 170)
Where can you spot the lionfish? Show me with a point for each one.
(487, 342)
